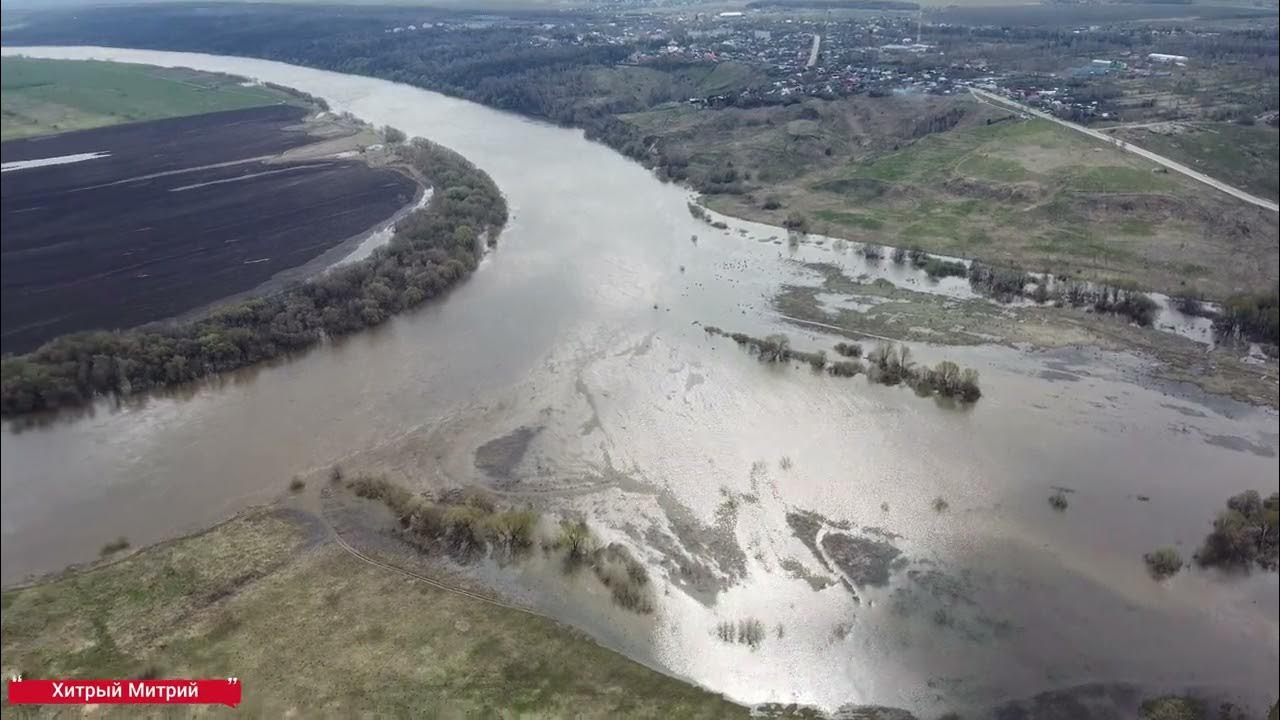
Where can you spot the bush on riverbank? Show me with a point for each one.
(433, 248)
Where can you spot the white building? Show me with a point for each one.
(1163, 58)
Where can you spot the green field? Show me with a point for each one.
(1247, 157)
(51, 96)
(1005, 190)
(312, 631)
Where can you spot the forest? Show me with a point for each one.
(432, 249)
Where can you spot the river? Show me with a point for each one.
(583, 326)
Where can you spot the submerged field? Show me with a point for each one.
(53, 96)
(955, 177)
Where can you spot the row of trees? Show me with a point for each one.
(432, 248)
(1006, 284)
(887, 364)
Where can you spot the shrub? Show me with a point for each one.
(936, 268)
(1191, 303)
(1002, 284)
(513, 530)
(772, 202)
(796, 222)
(899, 255)
(845, 368)
(393, 136)
(940, 504)
(575, 538)
(297, 485)
(465, 527)
(1163, 563)
(751, 632)
(852, 350)
(774, 348)
(1058, 501)
(625, 577)
(335, 474)
(1254, 317)
(1244, 533)
(1172, 707)
(115, 546)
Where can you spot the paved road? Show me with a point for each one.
(813, 51)
(1129, 147)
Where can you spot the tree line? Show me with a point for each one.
(431, 249)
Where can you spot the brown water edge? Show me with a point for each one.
(585, 324)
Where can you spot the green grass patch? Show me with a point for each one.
(1114, 179)
(1248, 157)
(1136, 226)
(51, 96)
(849, 219)
(989, 167)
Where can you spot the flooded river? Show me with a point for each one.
(580, 341)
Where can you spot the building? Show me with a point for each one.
(1163, 58)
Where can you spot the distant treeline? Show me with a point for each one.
(432, 248)
(836, 4)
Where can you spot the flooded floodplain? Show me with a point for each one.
(572, 370)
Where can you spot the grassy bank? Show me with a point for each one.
(314, 632)
(52, 96)
(955, 177)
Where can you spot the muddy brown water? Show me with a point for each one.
(582, 329)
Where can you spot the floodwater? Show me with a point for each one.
(581, 336)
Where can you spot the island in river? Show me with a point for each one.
(692, 455)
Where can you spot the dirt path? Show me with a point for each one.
(992, 98)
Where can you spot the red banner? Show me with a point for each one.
(124, 692)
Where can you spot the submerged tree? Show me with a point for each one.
(1244, 533)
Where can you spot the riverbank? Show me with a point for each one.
(272, 584)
